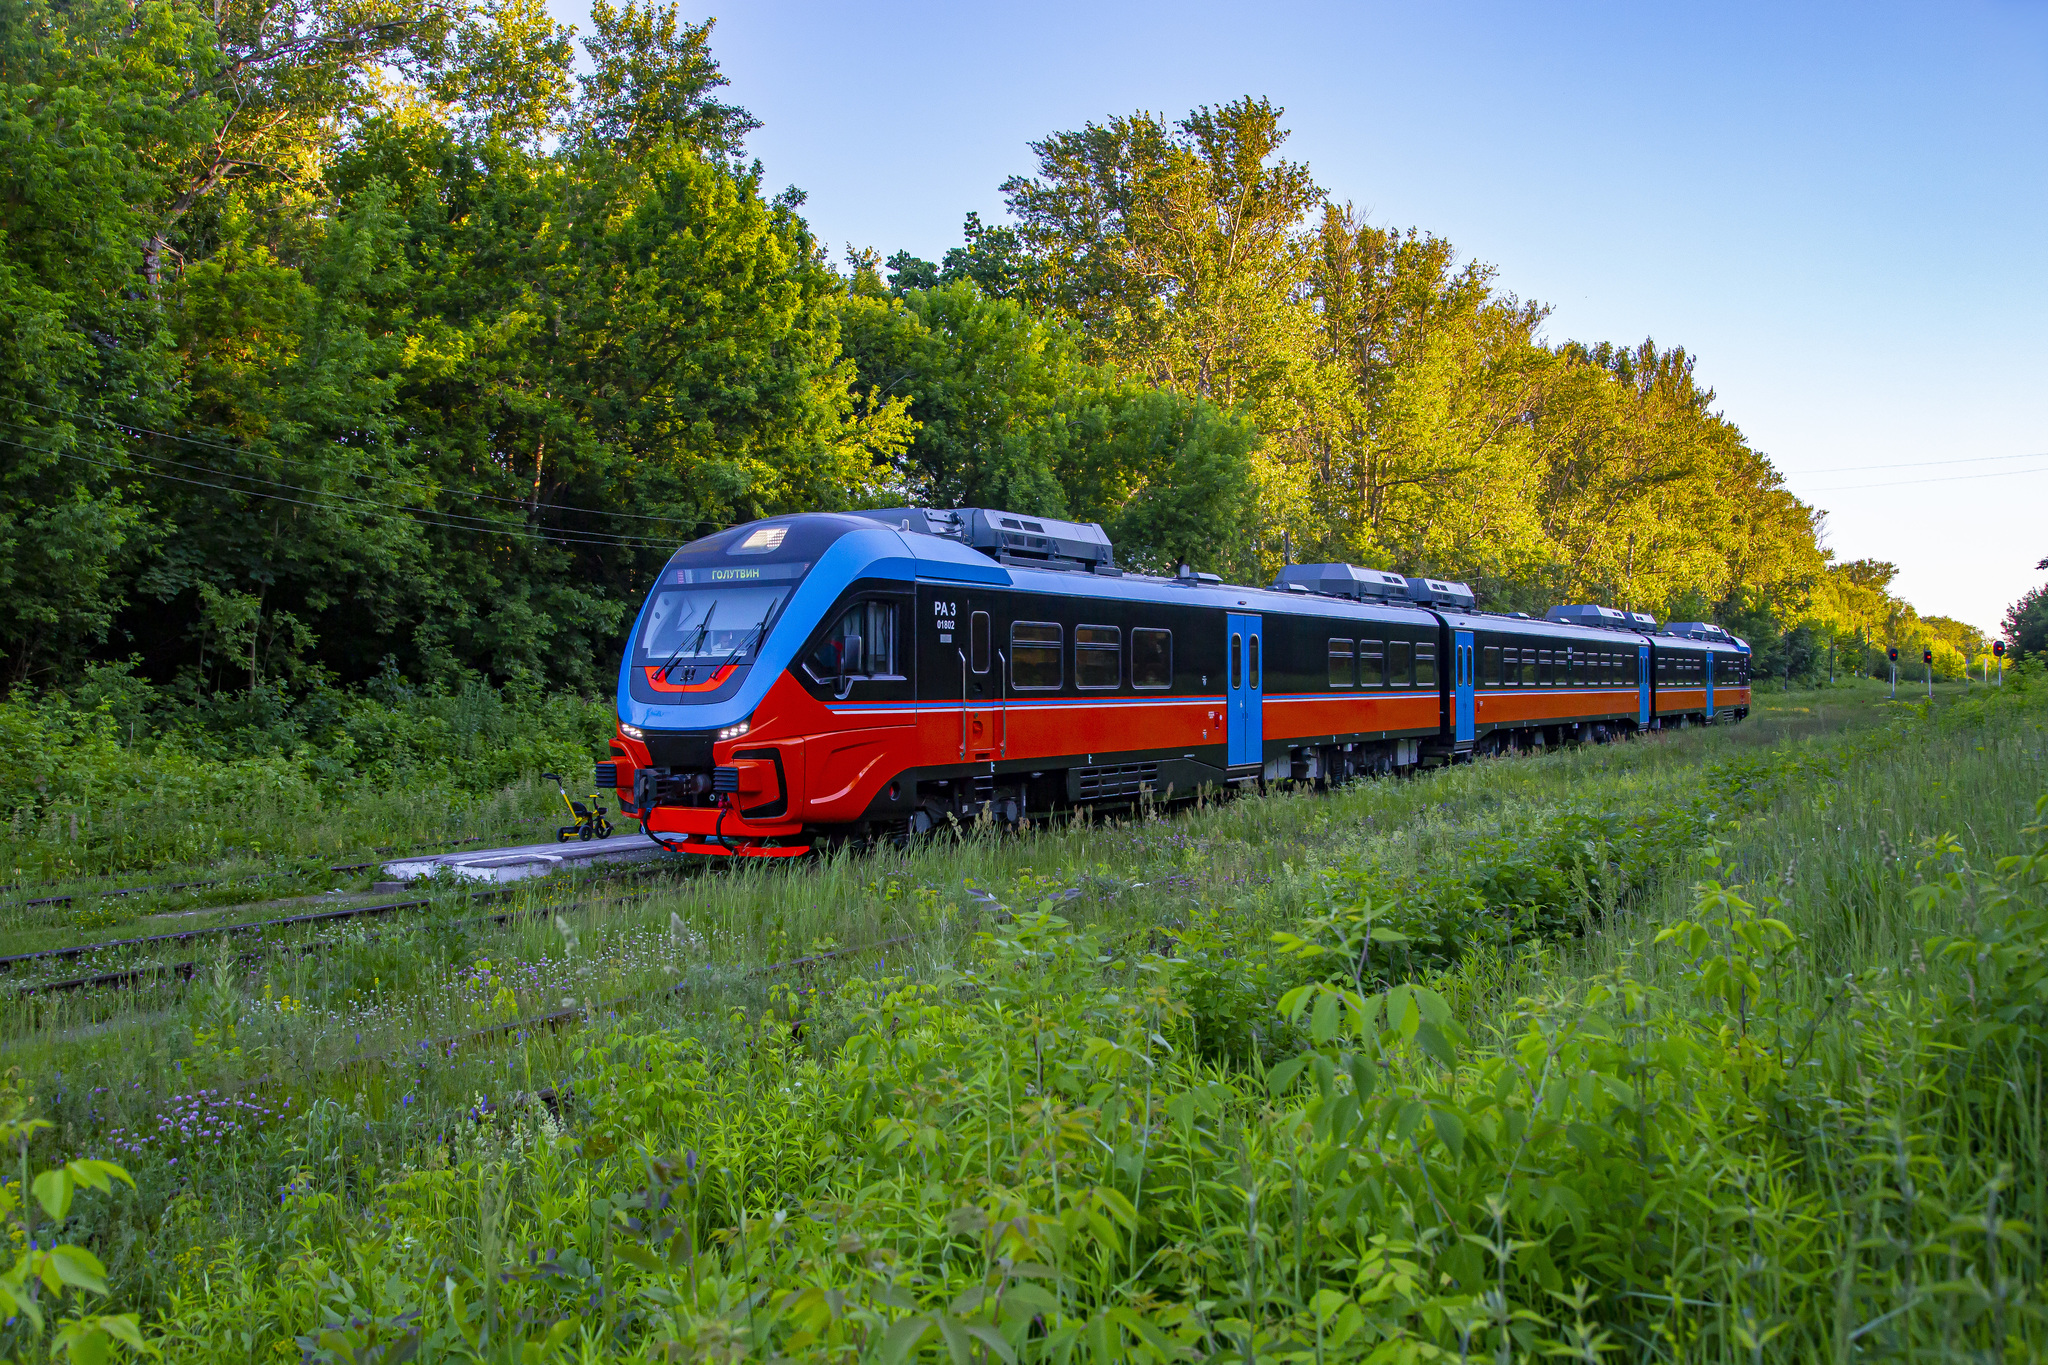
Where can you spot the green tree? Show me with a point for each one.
(1009, 415)
(987, 383)
(652, 79)
(2025, 626)
(1176, 250)
(84, 93)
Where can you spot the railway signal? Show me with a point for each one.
(1892, 652)
(1927, 657)
(1998, 653)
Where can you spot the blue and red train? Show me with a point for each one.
(824, 676)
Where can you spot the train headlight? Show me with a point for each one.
(631, 731)
(735, 731)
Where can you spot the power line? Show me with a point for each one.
(590, 537)
(1923, 464)
(446, 521)
(130, 427)
(1950, 478)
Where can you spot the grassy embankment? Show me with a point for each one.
(1082, 1100)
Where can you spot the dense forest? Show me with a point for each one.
(347, 340)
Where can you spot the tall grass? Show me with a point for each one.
(85, 793)
(1715, 1046)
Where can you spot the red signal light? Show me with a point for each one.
(1926, 656)
(1998, 648)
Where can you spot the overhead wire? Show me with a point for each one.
(1939, 478)
(1924, 464)
(134, 428)
(449, 521)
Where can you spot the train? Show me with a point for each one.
(809, 679)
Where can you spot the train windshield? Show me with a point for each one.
(712, 617)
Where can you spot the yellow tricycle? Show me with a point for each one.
(590, 821)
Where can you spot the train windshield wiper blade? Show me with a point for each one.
(691, 647)
(759, 636)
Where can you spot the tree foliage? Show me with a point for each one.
(346, 335)
(2026, 621)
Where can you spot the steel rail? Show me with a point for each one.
(252, 927)
(186, 970)
(229, 881)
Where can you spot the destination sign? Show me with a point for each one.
(749, 573)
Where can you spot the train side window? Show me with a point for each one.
(1236, 661)
(1400, 663)
(1528, 667)
(1371, 664)
(1511, 667)
(1255, 676)
(1151, 658)
(977, 641)
(1034, 656)
(1425, 665)
(860, 644)
(1489, 662)
(1098, 657)
(1342, 668)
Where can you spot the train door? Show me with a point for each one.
(1461, 684)
(1643, 685)
(1245, 700)
(1707, 672)
(981, 683)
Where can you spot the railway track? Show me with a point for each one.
(374, 858)
(187, 970)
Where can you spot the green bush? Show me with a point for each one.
(136, 781)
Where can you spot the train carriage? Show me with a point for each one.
(825, 675)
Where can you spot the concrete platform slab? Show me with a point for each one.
(525, 860)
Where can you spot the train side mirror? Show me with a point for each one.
(850, 660)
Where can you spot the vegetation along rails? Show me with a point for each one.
(161, 888)
(651, 1029)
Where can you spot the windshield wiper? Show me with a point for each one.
(690, 648)
(759, 636)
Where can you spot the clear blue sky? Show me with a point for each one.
(1841, 210)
